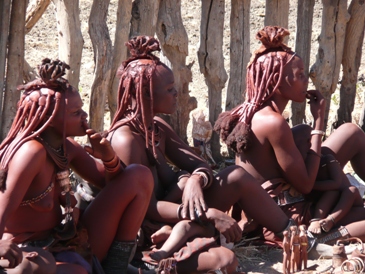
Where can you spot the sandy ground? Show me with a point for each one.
(42, 42)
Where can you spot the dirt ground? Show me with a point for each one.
(42, 42)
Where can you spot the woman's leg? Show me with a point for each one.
(235, 185)
(213, 259)
(118, 210)
(347, 143)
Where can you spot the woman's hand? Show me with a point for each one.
(317, 104)
(100, 147)
(224, 224)
(11, 252)
(193, 199)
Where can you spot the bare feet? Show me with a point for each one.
(315, 226)
(247, 226)
(161, 235)
(159, 255)
(327, 223)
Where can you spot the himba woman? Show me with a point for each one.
(35, 159)
(138, 135)
(263, 141)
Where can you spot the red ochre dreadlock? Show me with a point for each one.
(36, 102)
(136, 73)
(264, 74)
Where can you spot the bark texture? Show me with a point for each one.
(70, 41)
(15, 59)
(239, 55)
(102, 46)
(144, 17)
(351, 60)
(35, 11)
(120, 51)
(302, 48)
(174, 43)
(325, 71)
(4, 34)
(211, 61)
(277, 13)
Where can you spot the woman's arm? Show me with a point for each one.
(299, 173)
(183, 157)
(25, 165)
(332, 173)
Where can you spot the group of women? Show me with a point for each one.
(150, 180)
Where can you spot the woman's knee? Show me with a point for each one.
(140, 178)
(224, 259)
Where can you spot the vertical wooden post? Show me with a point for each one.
(303, 43)
(174, 43)
(15, 60)
(211, 61)
(354, 40)
(325, 71)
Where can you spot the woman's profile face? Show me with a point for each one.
(70, 116)
(294, 82)
(164, 92)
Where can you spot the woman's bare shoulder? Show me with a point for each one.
(269, 122)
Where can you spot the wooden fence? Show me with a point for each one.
(340, 45)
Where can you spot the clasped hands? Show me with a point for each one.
(195, 208)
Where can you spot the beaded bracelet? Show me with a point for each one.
(183, 174)
(202, 175)
(317, 131)
(178, 211)
(113, 165)
(206, 174)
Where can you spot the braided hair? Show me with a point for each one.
(135, 74)
(36, 108)
(264, 74)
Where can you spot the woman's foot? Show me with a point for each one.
(327, 224)
(159, 255)
(315, 226)
(161, 235)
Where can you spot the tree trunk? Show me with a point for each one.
(211, 62)
(144, 17)
(302, 48)
(351, 60)
(35, 11)
(174, 43)
(4, 34)
(29, 73)
(70, 41)
(239, 53)
(325, 71)
(102, 46)
(120, 51)
(277, 13)
(14, 72)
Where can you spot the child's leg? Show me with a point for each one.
(180, 234)
(215, 258)
(349, 197)
(161, 235)
(323, 207)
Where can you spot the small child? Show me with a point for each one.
(179, 236)
(336, 195)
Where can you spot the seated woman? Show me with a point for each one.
(35, 159)
(138, 135)
(263, 142)
(332, 190)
